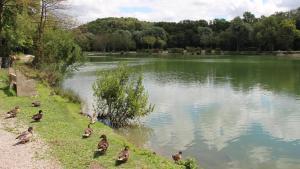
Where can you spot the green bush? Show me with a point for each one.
(189, 163)
(120, 97)
(176, 50)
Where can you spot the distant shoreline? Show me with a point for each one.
(295, 54)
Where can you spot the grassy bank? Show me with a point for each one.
(62, 127)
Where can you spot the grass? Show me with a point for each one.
(62, 126)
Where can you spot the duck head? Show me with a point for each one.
(30, 129)
(40, 111)
(103, 136)
(180, 152)
(126, 148)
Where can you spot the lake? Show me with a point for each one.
(226, 112)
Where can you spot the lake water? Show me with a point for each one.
(227, 113)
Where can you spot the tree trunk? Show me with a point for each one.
(39, 51)
(1, 27)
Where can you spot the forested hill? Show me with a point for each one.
(280, 31)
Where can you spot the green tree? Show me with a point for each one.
(122, 40)
(286, 34)
(62, 55)
(240, 32)
(205, 34)
(149, 41)
(248, 17)
(120, 97)
(266, 32)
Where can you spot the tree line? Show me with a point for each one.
(39, 27)
(280, 31)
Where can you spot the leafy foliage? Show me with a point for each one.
(120, 97)
(276, 32)
(189, 163)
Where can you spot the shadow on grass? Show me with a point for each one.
(98, 153)
(118, 162)
(8, 91)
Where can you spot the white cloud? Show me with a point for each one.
(176, 10)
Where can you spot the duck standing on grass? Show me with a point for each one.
(38, 117)
(103, 144)
(88, 131)
(123, 155)
(13, 113)
(25, 136)
(177, 157)
(36, 104)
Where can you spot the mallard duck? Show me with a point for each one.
(177, 157)
(36, 104)
(123, 155)
(103, 144)
(13, 113)
(25, 136)
(38, 117)
(88, 131)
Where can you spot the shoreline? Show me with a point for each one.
(61, 129)
(289, 54)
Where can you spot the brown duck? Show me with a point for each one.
(177, 157)
(88, 131)
(25, 136)
(13, 113)
(123, 155)
(38, 117)
(36, 104)
(103, 144)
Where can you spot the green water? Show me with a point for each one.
(228, 112)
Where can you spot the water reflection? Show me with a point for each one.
(241, 113)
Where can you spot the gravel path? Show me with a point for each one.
(32, 155)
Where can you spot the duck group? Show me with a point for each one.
(103, 143)
(27, 135)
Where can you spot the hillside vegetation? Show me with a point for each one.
(280, 31)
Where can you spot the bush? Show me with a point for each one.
(176, 50)
(120, 98)
(189, 163)
(218, 51)
(61, 56)
(193, 50)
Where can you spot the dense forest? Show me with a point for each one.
(280, 31)
(39, 27)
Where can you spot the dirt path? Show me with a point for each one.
(32, 155)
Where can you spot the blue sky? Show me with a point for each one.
(175, 10)
(133, 9)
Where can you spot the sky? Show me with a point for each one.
(175, 10)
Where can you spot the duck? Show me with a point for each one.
(88, 131)
(38, 117)
(177, 157)
(103, 144)
(123, 155)
(36, 104)
(13, 113)
(25, 136)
